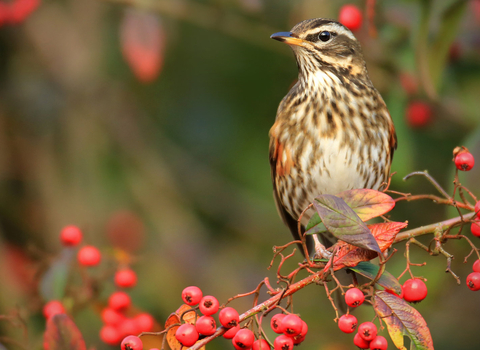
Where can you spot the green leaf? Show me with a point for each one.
(344, 223)
(62, 334)
(370, 271)
(368, 204)
(315, 225)
(54, 281)
(402, 319)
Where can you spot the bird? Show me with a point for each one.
(332, 132)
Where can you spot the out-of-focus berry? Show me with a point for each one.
(53, 307)
(351, 17)
(71, 236)
(89, 256)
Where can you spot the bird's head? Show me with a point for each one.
(322, 44)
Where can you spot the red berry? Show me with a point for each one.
(414, 290)
(89, 256)
(392, 292)
(283, 342)
(131, 342)
(206, 325)
(128, 327)
(144, 322)
(186, 334)
(110, 335)
(260, 344)
(476, 266)
(475, 228)
(291, 325)
(473, 281)
(351, 17)
(243, 339)
(125, 278)
(360, 342)
(418, 114)
(119, 301)
(276, 323)
(464, 161)
(112, 317)
(192, 295)
(367, 331)
(70, 235)
(228, 317)
(229, 334)
(379, 343)
(209, 305)
(347, 323)
(53, 307)
(354, 297)
(21, 9)
(477, 209)
(301, 337)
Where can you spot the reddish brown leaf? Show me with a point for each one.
(386, 232)
(368, 204)
(62, 334)
(189, 317)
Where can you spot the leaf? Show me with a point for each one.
(370, 271)
(386, 232)
(315, 225)
(54, 281)
(367, 203)
(343, 223)
(62, 334)
(402, 319)
(189, 317)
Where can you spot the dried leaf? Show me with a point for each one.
(344, 223)
(62, 334)
(386, 280)
(189, 317)
(402, 319)
(367, 203)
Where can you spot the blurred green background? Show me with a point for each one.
(176, 170)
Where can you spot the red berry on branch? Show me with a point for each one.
(186, 334)
(125, 278)
(360, 342)
(473, 281)
(276, 323)
(144, 322)
(475, 228)
(112, 317)
(243, 339)
(354, 297)
(476, 266)
(291, 325)
(209, 305)
(351, 17)
(70, 236)
(367, 331)
(53, 307)
(283, 342)
(110, 335)
(261, 344)
(418, 114)
(89, 256)
(119, 301)
(192, 295)
(379, 343)
(414, 290)
(231, 332)
(228, 317)
(206, 325)
(347, 323)
(464, 161)
(477, 209)
(301, 337)
(131, 342)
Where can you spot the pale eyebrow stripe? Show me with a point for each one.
(332, 27)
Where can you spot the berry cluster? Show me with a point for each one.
(292, 330)
(473, 279)
(366, 337)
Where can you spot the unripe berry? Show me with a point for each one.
(209, 305)
(131, 342)
(464, 161)
(283, 342)
(89, 256)
(414, 290)
(473, 281)
(71, 235)
(186, 334)
(228, 317)
(367, 331)
(379, 343)
(261, 344)
(110, 335)
(476, 266)
(192, 295)
(119, 301)
(360, 342)
(418, 114)
(351, 17)
(475, 228)
(144, 322)
(354, 297)
(206, 325)
(243, 339)
(291, 325)
(347, 323)
(53, 307)
(229, 334)
(111, 317)
(276, 323)
(125, 278)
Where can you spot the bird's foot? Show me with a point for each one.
(320, 251)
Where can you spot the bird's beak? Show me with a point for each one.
(288, 38)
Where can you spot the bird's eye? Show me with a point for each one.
(325, 36)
